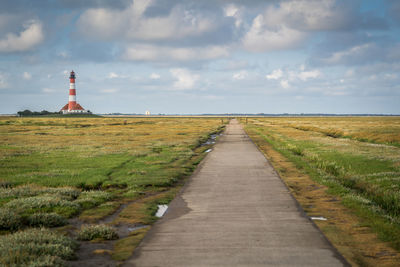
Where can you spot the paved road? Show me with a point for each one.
(235, 211)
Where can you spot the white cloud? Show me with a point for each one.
(48, 90)
(26, 75)
(390, 76)
(276, 74)
(240, 75)
(261, 38)
(285, 84)
(309, 15)
(184, 79)
(113, 75)
(63, 54)
(358, 53)
(155, 76)
(286, 25)
(132, 24)
(31, 36)
(232, 10)
(163, 53)
(284, 78)
(305, 75)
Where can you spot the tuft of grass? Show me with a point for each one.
(31, 205)
(143, 211)
(46, 220)
(99, 232)
(36, 247)
(34, 190)
(124, 247)
(99, 212)
(295, 149)
(9, 219)
(92, 198)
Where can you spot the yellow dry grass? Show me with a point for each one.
(358, 244)
(96, 136)
(370, 138)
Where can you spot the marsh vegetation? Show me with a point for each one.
(67, 173)
(346, 169)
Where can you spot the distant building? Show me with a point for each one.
(72, 107)
(147, 112)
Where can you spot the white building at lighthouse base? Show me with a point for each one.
(78, 110)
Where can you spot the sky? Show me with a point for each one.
(196, 57)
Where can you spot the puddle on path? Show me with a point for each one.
(318, 218)
(137, 227)
(161, 210)
(211, 140)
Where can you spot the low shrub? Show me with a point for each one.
(9, 220)
(46, 260)
(88, 199)
(67, 192)
(6, 184)
(34, 190)
(335, 133)
(295, 149)
(87, 203)
(36, 204)
(39, 202)
(330, 167)
(96, 195)
(46, 219)
(20, 191)
(102, 231)
(36, 247)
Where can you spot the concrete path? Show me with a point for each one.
(235, 211)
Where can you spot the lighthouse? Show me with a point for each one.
(72, 107)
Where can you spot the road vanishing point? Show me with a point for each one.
(235, 211)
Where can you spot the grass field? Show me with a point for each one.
(346, 169)
(53, 169)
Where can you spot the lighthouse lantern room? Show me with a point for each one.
(72, 107)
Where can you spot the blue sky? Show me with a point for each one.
(210, 56)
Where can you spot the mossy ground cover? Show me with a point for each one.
(354, 183)
(58, 168)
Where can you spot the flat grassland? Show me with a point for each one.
(55, 169)
(344, 169)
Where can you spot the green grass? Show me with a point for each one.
(96, 213)
(124, 247)
(36, 247)
(58, 168)
(367, 177)
(97, 232)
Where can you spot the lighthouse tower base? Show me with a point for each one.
(78, 110)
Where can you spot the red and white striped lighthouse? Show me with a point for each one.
(72, 106)
(72, 92)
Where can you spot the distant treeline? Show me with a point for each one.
(27, 112)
